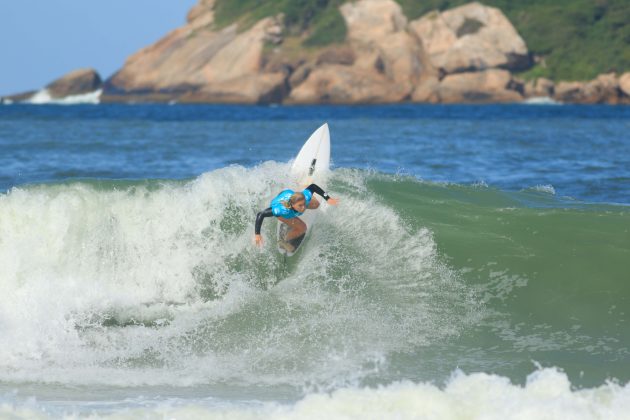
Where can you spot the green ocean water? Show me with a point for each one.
(552, 273)
(405, 280)
(130, 285)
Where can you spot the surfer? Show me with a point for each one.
(287, 206)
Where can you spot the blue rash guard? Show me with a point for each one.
(279, 209)
(278, 206)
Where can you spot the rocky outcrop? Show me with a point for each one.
(372, 20)
(343, 55)
(248, 89)
(569, 91)
(18, 97)
(197, 64)
(481, 87)
(460, 55)
(472, 37)
(624, 84)
(537, 88)
(386, 63)
(77, 82)
(172, 65)
(335, 83)
(201, 15)
(606, 88)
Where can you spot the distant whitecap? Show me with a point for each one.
(43, 97)
(541, 100)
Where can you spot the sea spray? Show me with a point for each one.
(158, 283)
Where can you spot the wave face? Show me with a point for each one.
(158, 283)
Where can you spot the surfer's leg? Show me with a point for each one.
(298, 227)
(313, 204)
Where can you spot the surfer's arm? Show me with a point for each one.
(316, 189)
(260, 217)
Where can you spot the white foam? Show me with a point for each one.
(547, 189)
(546, 395)
(541, 100)
(149, 286)
(480, 184)
(43, 97)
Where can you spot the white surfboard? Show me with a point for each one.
(310, 166)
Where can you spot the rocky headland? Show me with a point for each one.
(77, 82)
(468, 54)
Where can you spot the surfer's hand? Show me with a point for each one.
(333, 201)
(258, 240)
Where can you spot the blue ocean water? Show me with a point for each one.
(475, 268)
(582, 151)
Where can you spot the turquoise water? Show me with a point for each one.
(477, 265)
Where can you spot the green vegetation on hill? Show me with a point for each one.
(318, 20)
(574, 39)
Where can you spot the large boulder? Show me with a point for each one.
(378, 31)
(77, 82)
(624, 83)
(173, 64)
(487, 86)
(427, 91)
(381, 62)
(338, 54)
(334, 83)
(372, 20)
(569, 91)
(246, 89)
(241, 57)
(540, 87)
(195, 62)
(603, 89)
(470, 38)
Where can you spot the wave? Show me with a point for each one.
(43, 97)
(157, 282)
(547, 394)
(160, 281)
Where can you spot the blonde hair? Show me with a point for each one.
(295, 198)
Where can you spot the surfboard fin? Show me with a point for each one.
(311, 169)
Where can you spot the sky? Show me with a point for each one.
(41, 40)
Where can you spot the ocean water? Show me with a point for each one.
(477, 266)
